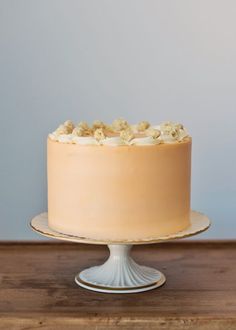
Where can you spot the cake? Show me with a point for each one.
(119, 181)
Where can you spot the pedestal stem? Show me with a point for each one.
(118, 251)
(120, 273)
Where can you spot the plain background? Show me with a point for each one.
(84, 60)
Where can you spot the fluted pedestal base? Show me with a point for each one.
(120, 274)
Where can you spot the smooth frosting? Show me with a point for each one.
(120, 133)
(119, 193)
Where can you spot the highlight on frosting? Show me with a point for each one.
(119, 133)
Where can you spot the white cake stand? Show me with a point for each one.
(120, 273)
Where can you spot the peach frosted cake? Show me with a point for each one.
(119, 181)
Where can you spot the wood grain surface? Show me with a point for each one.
(38, 289)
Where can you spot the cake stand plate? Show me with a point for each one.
(120, 273)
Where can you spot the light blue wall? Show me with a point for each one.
(86, 60)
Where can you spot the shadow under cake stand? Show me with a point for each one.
(120, 273)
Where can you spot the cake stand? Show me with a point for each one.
(120, 273)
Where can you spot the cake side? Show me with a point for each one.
(125, 192)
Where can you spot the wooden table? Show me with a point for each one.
(38, 290)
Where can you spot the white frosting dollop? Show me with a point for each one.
(112, 141)
(183, 134)
(167, 138)
(147, 140)
(65, 138)
(84, 140)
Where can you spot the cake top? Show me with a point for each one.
(119, 133)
